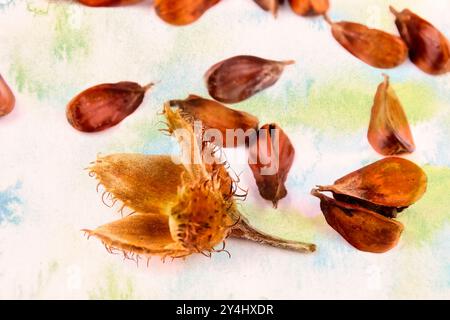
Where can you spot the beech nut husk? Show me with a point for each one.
(429, 49)
(389, 132)
(238, 78)
(377, 48)
(180, 209)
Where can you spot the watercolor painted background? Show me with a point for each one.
(49, 51)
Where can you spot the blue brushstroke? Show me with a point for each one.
(9, 198)
(4, 4)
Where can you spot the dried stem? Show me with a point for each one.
(395, 12)
(326, 188)
(244, 230)
(288, 62)
(148, 86)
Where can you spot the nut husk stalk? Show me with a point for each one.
(245, 230)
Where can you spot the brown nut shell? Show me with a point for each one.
(389, 132)
(377, 48)
(429, 49)
(390, 182)
(7, 99)
(238, 78)
(182, 12)
(107, 3)
(364, 229)
(270, 159)
(214, 115)
(105, 105)
(269, 5)
(309, 7)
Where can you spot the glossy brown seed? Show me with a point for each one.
(309, 7)
(377, 48)
(364, 229)
(214, 115)
(391, 182)
(7, 99)
(269, 5)
(389, 132)
(270, 159)
(182, 12)
(105, 105)
(107, 3)
(238, 78)
(429, 49)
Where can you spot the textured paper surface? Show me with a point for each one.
(49, 51)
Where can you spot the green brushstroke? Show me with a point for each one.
(428, 216)
(53, 266)
(35, 9)
(26, 78)
(335, 107)
(44, 277)
(287, 224)
(329, 107)
(418, 99)
(69, 41)
(115, 288)
(139, 136)
(59, 45)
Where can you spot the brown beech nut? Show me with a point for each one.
(389, 132)
(386, 186)
(269, 5)
(364, 229)
(270, 159)
(377, 48)
(105, 105)
(182, 12)
(238, 78)
(214, 115)
(309, 7)
(106, 3)
(366, 200)
(429, 49)
(7, 99)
